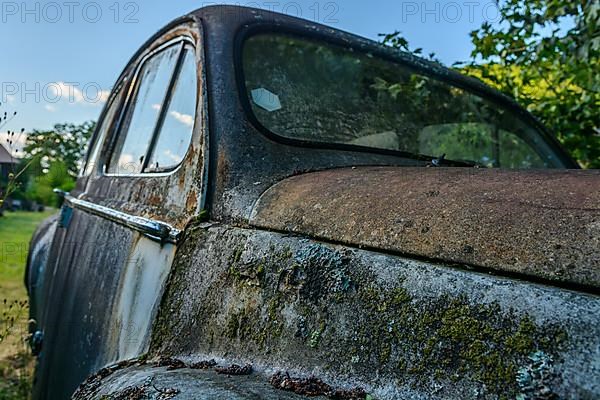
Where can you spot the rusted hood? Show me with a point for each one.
(542, 224)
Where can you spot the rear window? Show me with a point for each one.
(312, 91)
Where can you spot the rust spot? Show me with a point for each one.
(544, 224)
(170, 363)
(188, 162)
(192, 201)
(181, 180)
(94, 381)
(222, 168)
(313, 386)
(204, 365)
(235, 369)
(155, 200)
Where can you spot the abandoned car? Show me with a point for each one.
(271, 208)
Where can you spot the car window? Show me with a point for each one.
(312, 91)
(176, 132)
(103, 129)
(484, 144)
(151, 107)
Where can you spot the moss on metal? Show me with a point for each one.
(303, 301)
(446, 336)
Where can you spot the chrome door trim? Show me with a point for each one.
(155, 230)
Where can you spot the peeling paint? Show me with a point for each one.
(140, 290)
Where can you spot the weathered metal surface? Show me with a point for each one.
(37, 262)
(543, 224)
(140, 290)
(82, 278)
(105, 276)
(175, 197)
(397, 328)
(102, 301)
(149, 382)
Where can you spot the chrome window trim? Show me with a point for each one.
(155, 230)
(106, 158)
(114, 96)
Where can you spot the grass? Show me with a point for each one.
(16, 363)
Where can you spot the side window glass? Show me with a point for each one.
(143, 112)
(514, 152)
(175, 134)
(103, 129)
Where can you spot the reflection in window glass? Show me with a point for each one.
(485, 144)
(134, 138)
(313, 91)
(176, 133)
(107, 123)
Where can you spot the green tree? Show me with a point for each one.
(53, 157)
(41, 188)
(545, 54)
(65, 145)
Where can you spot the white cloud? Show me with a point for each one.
(66, 92)
(90, 94)
(185, 119)
(127, 164)
(126, 158)
(50, 108)
(174, 157)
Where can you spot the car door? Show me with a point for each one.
(144, 179)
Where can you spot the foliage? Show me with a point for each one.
(16, 376)
(12, 312)
(65, 144)
(50, 161)
(11, 183)
(545, 53)
(397, 41)
(41, 188)
(53, 157)
(16, 361)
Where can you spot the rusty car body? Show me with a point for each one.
(347, 268)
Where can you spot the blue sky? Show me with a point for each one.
(59, 59)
